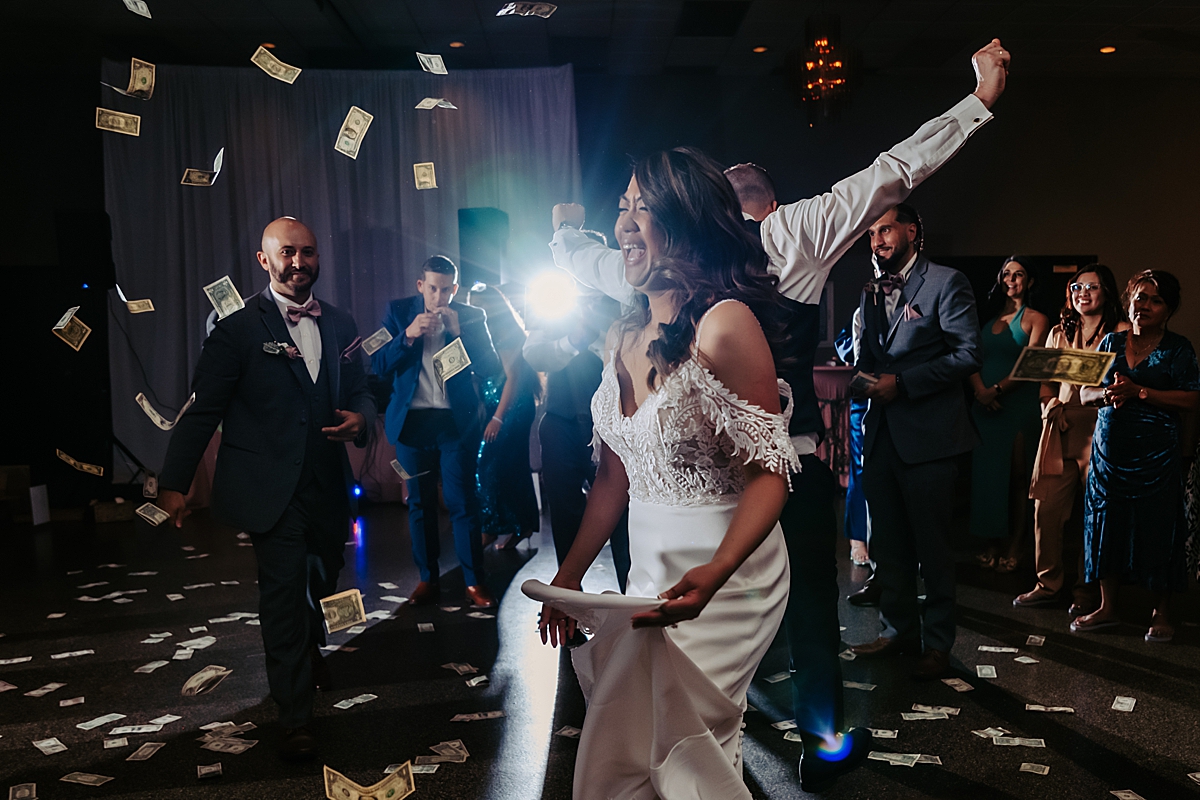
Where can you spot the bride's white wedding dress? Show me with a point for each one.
(665, 706)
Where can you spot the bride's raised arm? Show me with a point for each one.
(732, 346)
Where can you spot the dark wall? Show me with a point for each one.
(1068, 165)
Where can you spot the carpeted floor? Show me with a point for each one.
(1090, 752)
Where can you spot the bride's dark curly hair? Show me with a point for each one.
(708, 255)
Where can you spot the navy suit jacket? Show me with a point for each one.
(402, 362)
(933, 341)
(262, 401)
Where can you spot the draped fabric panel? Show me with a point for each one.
(511, 144)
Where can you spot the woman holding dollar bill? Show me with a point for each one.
(1092, 309)
(1133, 523)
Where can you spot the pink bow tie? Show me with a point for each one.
(310, 309)
(891, 283)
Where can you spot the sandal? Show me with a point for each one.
(1160, 632)
(1007, 564)
(1079, 626)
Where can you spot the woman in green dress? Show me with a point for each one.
(1007, 415)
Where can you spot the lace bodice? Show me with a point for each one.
(689, 441)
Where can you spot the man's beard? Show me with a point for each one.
(283, 275)
(896, 261)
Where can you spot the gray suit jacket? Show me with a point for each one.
(932, 341)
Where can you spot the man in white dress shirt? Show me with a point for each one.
(803, 241)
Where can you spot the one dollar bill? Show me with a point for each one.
(353, 129)
(1062, 365)
(396, 786)
(224, 297)
(376, 340)
(204, 177)
(117, 122)
(141, 79)
(271, 65)
(152, 514)
(432, 63)
(71, 329)
(90, 469)
(424, 175)
(450, 360)
(343, 610)
(157, 418)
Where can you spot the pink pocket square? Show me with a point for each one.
(911, 312)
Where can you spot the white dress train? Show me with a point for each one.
(665, 706)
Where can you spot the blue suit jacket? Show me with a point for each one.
(403, 363)
(935, 346)
(262, 401)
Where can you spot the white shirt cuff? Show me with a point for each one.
(971, 114)
(565, 345)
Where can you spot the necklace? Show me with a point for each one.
(1140, 351)
(1087, 340)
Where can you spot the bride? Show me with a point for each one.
(692, 440)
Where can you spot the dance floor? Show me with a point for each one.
(1090, 752)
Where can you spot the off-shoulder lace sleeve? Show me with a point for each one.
(757, 435)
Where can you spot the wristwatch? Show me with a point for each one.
(900, 390)
(1142, 393)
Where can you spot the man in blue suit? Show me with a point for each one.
(438, 424)
(921, 340)
(275, 375)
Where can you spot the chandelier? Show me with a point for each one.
(823, 74)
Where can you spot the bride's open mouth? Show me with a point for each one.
(634, 253)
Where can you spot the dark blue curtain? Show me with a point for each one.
(510, 145)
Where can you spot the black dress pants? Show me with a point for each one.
(298, 564)
(566, 467)
(809, 527)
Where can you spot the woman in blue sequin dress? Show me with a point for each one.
(1134, 525)
(505, 481)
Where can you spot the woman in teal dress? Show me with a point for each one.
(1008, 417)
(1134, 524)
(505, 481)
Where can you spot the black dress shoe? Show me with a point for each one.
(934, 664)
(868, 595)
(820, 768)
(322, 677)
(886, 646)
(298, 745)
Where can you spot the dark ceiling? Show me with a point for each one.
(630, 37)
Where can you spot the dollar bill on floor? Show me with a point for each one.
(118, 122)
(1050, 709)
(784, 725)
(23, 791)
(424, 175)
(847, 655)
(1035, 641)
(450, 360)
(478, 680)
(224, 297)
(354, 128)
(478, 716)
(71, 701)
(910, 716)
(396, 786)
(432, 63)
(983, 648)
(454, 747)
(50, 746)
(958, 684)
(778, 677)
(792, 736)
(951, 710)
(568, 732)
(209, 771)
(343, 610)
(45, 690)
(71, 329)
(864, 687)
(144, 752)
(85, 779)
(205, 680)
(138, 7)
(146, 669)
(152, 514)
(481, 615)
(881, 733)
(1026, 660)
(423, 769)
(229, 746)
(1036, 769)
(425, 627)
(90, 469)
(113, 744)
(134, 730)
(895, 759)
(1195, 776)
(1126, 794)
(204, 177)
(1062, 365)
(141, 79)
(928, 759)
(268, 63)
(376, 340)
(74, 654)
(985, 671)
(543, 10)
(1124, 704)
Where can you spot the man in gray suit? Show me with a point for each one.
(921, 340)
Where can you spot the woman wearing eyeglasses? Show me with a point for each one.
(1006, 413)
(1092, 309)
(1133, 506)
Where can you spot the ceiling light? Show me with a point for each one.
(269, 45)
(1108, 49)
(456, 44)
(760, 49)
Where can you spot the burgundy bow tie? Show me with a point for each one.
(310, 309)
(891, 283)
